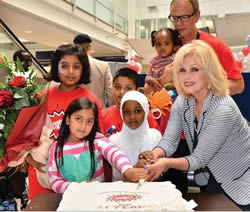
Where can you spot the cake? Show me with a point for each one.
(150, 196)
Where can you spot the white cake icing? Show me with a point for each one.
(150, 196)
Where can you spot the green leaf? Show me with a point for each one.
(5, 59)
(40, 87)
(32, 89)
(6, 68)
(19, 65)
(43, 98)
(20, 93)
(2, 85)
(2, 113)
(2, 142)
(20, 103)
(8, 130)
(33, 102)
(12, 116)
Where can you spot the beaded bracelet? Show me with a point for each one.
(167, 84)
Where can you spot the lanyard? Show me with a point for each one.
(195, 134)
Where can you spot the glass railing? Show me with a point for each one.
(106, 11)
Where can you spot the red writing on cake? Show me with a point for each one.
(123, 206)
(123, 197)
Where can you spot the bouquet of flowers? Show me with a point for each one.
(15, 94)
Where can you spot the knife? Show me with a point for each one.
(140, 183)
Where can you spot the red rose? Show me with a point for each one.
(17, 81)
(6, 99)
(1, 60)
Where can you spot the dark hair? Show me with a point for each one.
(24, 57)
(174, 36)
(82, 38)
(69, 49)
(129, 73)
(20, 54)
(77, 104)
(195, 4)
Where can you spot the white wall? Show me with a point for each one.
(207, 7)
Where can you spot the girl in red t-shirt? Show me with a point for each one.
(70, 68)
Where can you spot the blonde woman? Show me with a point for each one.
(217, 134)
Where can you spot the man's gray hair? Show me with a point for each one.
(195, 4)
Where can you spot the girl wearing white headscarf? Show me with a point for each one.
(134, 141)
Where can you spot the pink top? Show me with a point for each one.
(77, 162)
(158, 64)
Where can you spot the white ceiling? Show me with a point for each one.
(46, 35)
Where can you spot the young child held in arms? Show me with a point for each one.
(78, 153)
(166, 42)
(124, 80)
(136, 135)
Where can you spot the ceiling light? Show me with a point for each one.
(142, 27)
(28, 31)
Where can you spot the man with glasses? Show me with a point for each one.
(184, 14)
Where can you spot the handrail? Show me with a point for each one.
(20, 45)
(95, 15)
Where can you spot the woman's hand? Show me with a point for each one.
(37, 165)
(155, 170)
(148, 156)
(135, 174)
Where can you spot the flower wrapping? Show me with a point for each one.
(25, 134)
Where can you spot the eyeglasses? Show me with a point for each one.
(183, 18)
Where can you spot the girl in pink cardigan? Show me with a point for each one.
(166, 43)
